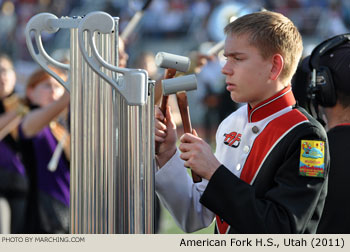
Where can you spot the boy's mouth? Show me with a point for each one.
(230, 86)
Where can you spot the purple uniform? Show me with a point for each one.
(9, 160)
(56, 183)
(13, 180)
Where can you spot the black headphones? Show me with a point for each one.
(321, 88)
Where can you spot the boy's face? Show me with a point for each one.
(247, 73)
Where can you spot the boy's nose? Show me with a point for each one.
(226, 70)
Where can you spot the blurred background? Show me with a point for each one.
(175, 26)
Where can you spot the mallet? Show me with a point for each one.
(172, 63)
(179, 86)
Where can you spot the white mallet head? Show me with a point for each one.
(168, 60)
(179, 84)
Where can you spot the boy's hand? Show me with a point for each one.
(197, 155)
(165, 135)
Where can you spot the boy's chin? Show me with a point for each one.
(235, 98)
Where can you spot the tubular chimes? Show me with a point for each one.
(112, 152)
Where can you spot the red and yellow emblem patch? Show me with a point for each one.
(312, 158)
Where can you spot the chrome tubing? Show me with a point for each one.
(112, 130)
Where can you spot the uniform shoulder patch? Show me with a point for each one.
(312, 159)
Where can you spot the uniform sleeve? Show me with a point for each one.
(180, 196)
(289, 203)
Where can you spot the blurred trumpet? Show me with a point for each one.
(13, 103)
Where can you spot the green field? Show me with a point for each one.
(168, 225)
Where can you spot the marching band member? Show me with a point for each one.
(13, 180)
(40, 132)
(260, 179)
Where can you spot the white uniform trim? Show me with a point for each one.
(265, 104)
(232, 157)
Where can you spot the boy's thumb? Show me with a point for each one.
(194, 132)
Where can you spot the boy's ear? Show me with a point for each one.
(277, 66)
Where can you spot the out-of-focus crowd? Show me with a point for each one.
(174, 18)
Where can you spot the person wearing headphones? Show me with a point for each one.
(329, 93)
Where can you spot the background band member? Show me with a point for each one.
(40, 132)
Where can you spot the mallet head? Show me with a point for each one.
(179, 84)
(168, 60)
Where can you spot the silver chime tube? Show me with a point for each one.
(112, 152)
(135, 178)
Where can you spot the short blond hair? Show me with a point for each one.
(271, 33)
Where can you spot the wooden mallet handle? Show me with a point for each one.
(186, 122)
(169, 73)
